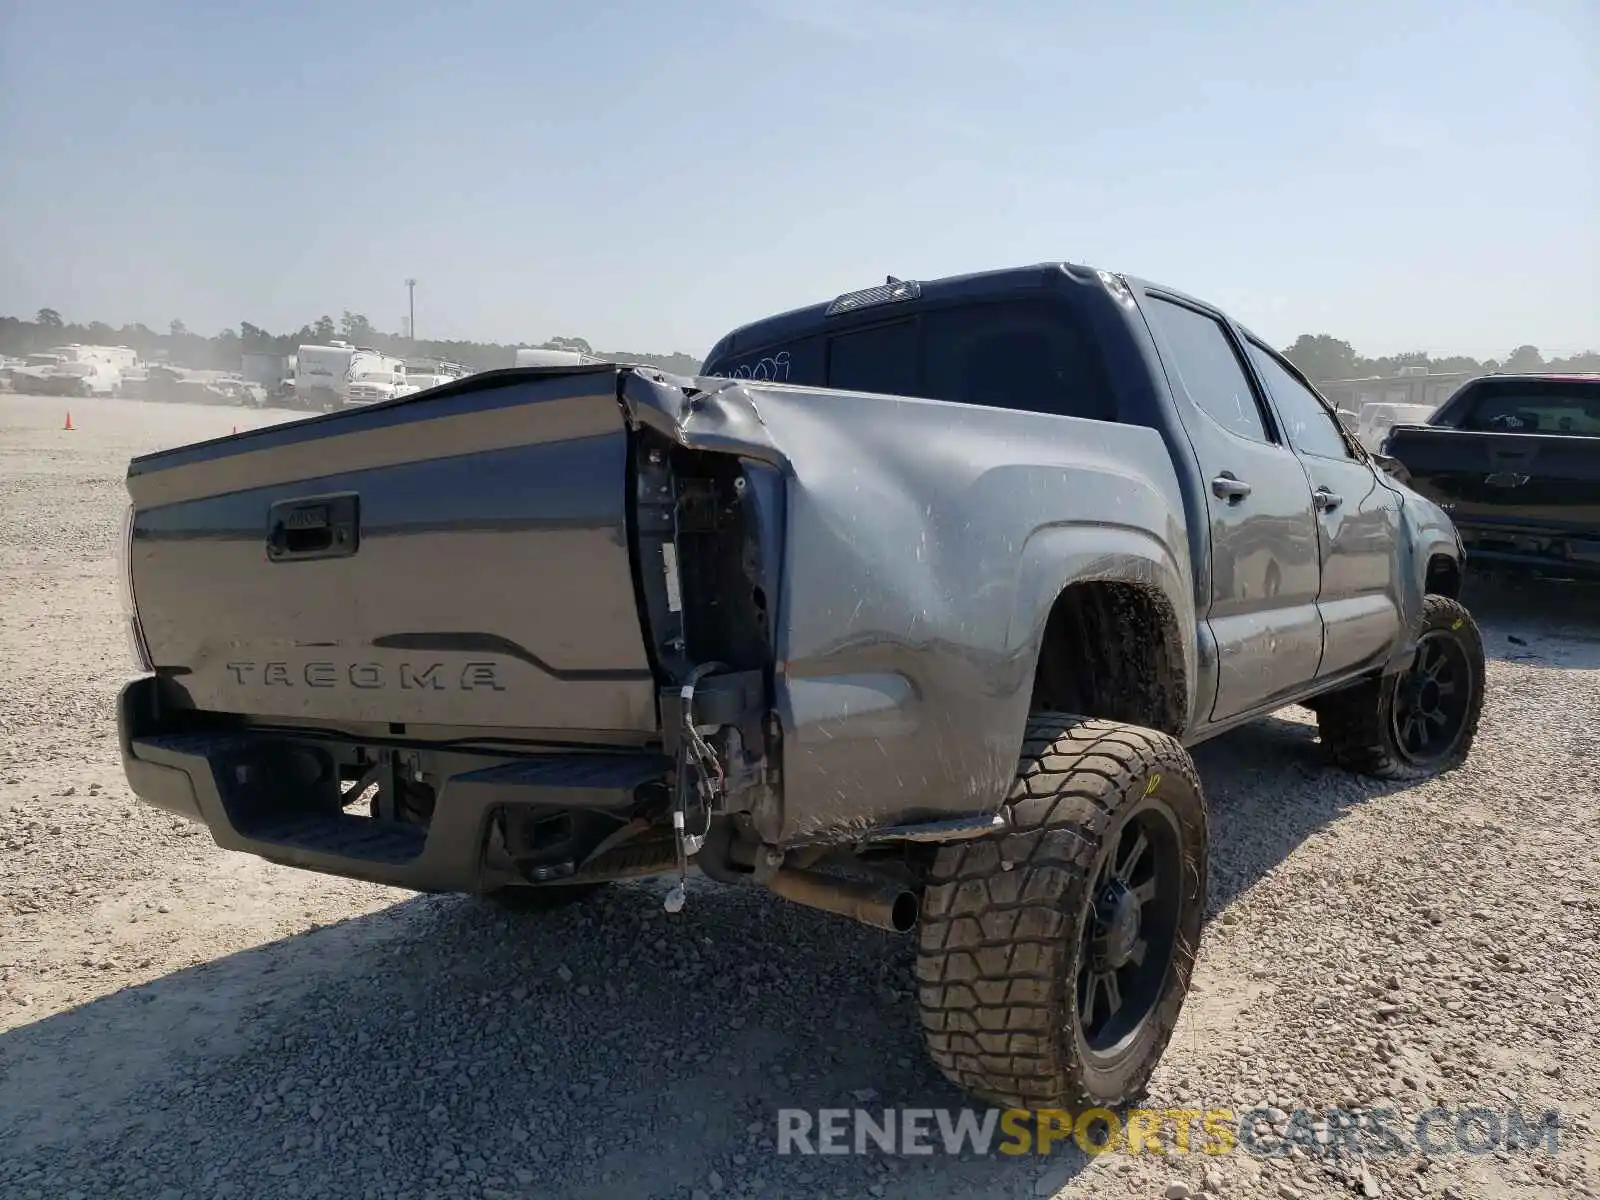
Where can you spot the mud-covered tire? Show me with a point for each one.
(1010, 924)
(1361, 727)
(542, 898)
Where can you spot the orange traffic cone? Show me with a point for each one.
(69, 420)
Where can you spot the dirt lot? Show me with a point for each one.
(180, 1021)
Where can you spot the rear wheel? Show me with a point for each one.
(1423, 721)
(1053, 961)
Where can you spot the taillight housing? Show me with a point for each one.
(130, 611)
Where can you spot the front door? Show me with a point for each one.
(1358, 524)
(1265, 568)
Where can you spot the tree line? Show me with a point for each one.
(1321, 356)
(221, 352)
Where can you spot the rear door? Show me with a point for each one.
(1265, 566)
(1358, 523)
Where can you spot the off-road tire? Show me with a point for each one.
(1001, 941)
(542, 898)
(1357, 724)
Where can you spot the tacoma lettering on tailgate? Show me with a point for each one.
(472, 676)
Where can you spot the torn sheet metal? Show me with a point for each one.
(924, 545)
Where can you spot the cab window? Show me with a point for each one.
(1310, 427)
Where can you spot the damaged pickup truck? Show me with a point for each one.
(908, 608)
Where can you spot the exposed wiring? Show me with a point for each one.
(709, 780)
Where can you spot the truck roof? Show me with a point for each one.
(880, 300)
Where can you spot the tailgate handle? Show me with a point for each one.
(313, 527)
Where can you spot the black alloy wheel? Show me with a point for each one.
(1130, 932)
(1433, 699)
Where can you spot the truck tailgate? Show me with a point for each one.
(1545, 480)
(455, 558)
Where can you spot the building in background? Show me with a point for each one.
(1413, 385)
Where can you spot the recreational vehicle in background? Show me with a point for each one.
(320, 374)
(553, 358)
(122, 358)
(340, 375)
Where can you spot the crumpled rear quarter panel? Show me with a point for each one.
(925, 545)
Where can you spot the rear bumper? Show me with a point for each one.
(1552, 552)
(251, 791)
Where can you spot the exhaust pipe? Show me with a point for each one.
(886, 906)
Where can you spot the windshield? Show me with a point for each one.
(1571, 408)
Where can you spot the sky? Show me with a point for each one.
(1404, 174)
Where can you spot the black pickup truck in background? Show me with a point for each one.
(1515, 461)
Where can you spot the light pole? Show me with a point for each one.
(411, 302)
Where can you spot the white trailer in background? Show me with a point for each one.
(339, 375)
(123, 358)
(320, 375)
(271, 371)
(553, 358)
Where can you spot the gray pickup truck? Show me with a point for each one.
(908, 609)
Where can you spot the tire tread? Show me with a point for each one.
(995, 942)
(1353, 722)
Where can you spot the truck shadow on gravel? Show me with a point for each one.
(605, 1050)
(1269, 787)
(1537, 623)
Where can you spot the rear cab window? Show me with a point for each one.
(1569, 406)
(1032, 355)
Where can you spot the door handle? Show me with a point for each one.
(1325, 499)
(1226, 487)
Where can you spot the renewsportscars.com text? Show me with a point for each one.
(1263, 1132)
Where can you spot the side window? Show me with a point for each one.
(880, 359)
(1307, 422)
(1200, 355)
(1024, 355)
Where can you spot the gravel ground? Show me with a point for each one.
(179, 1021)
